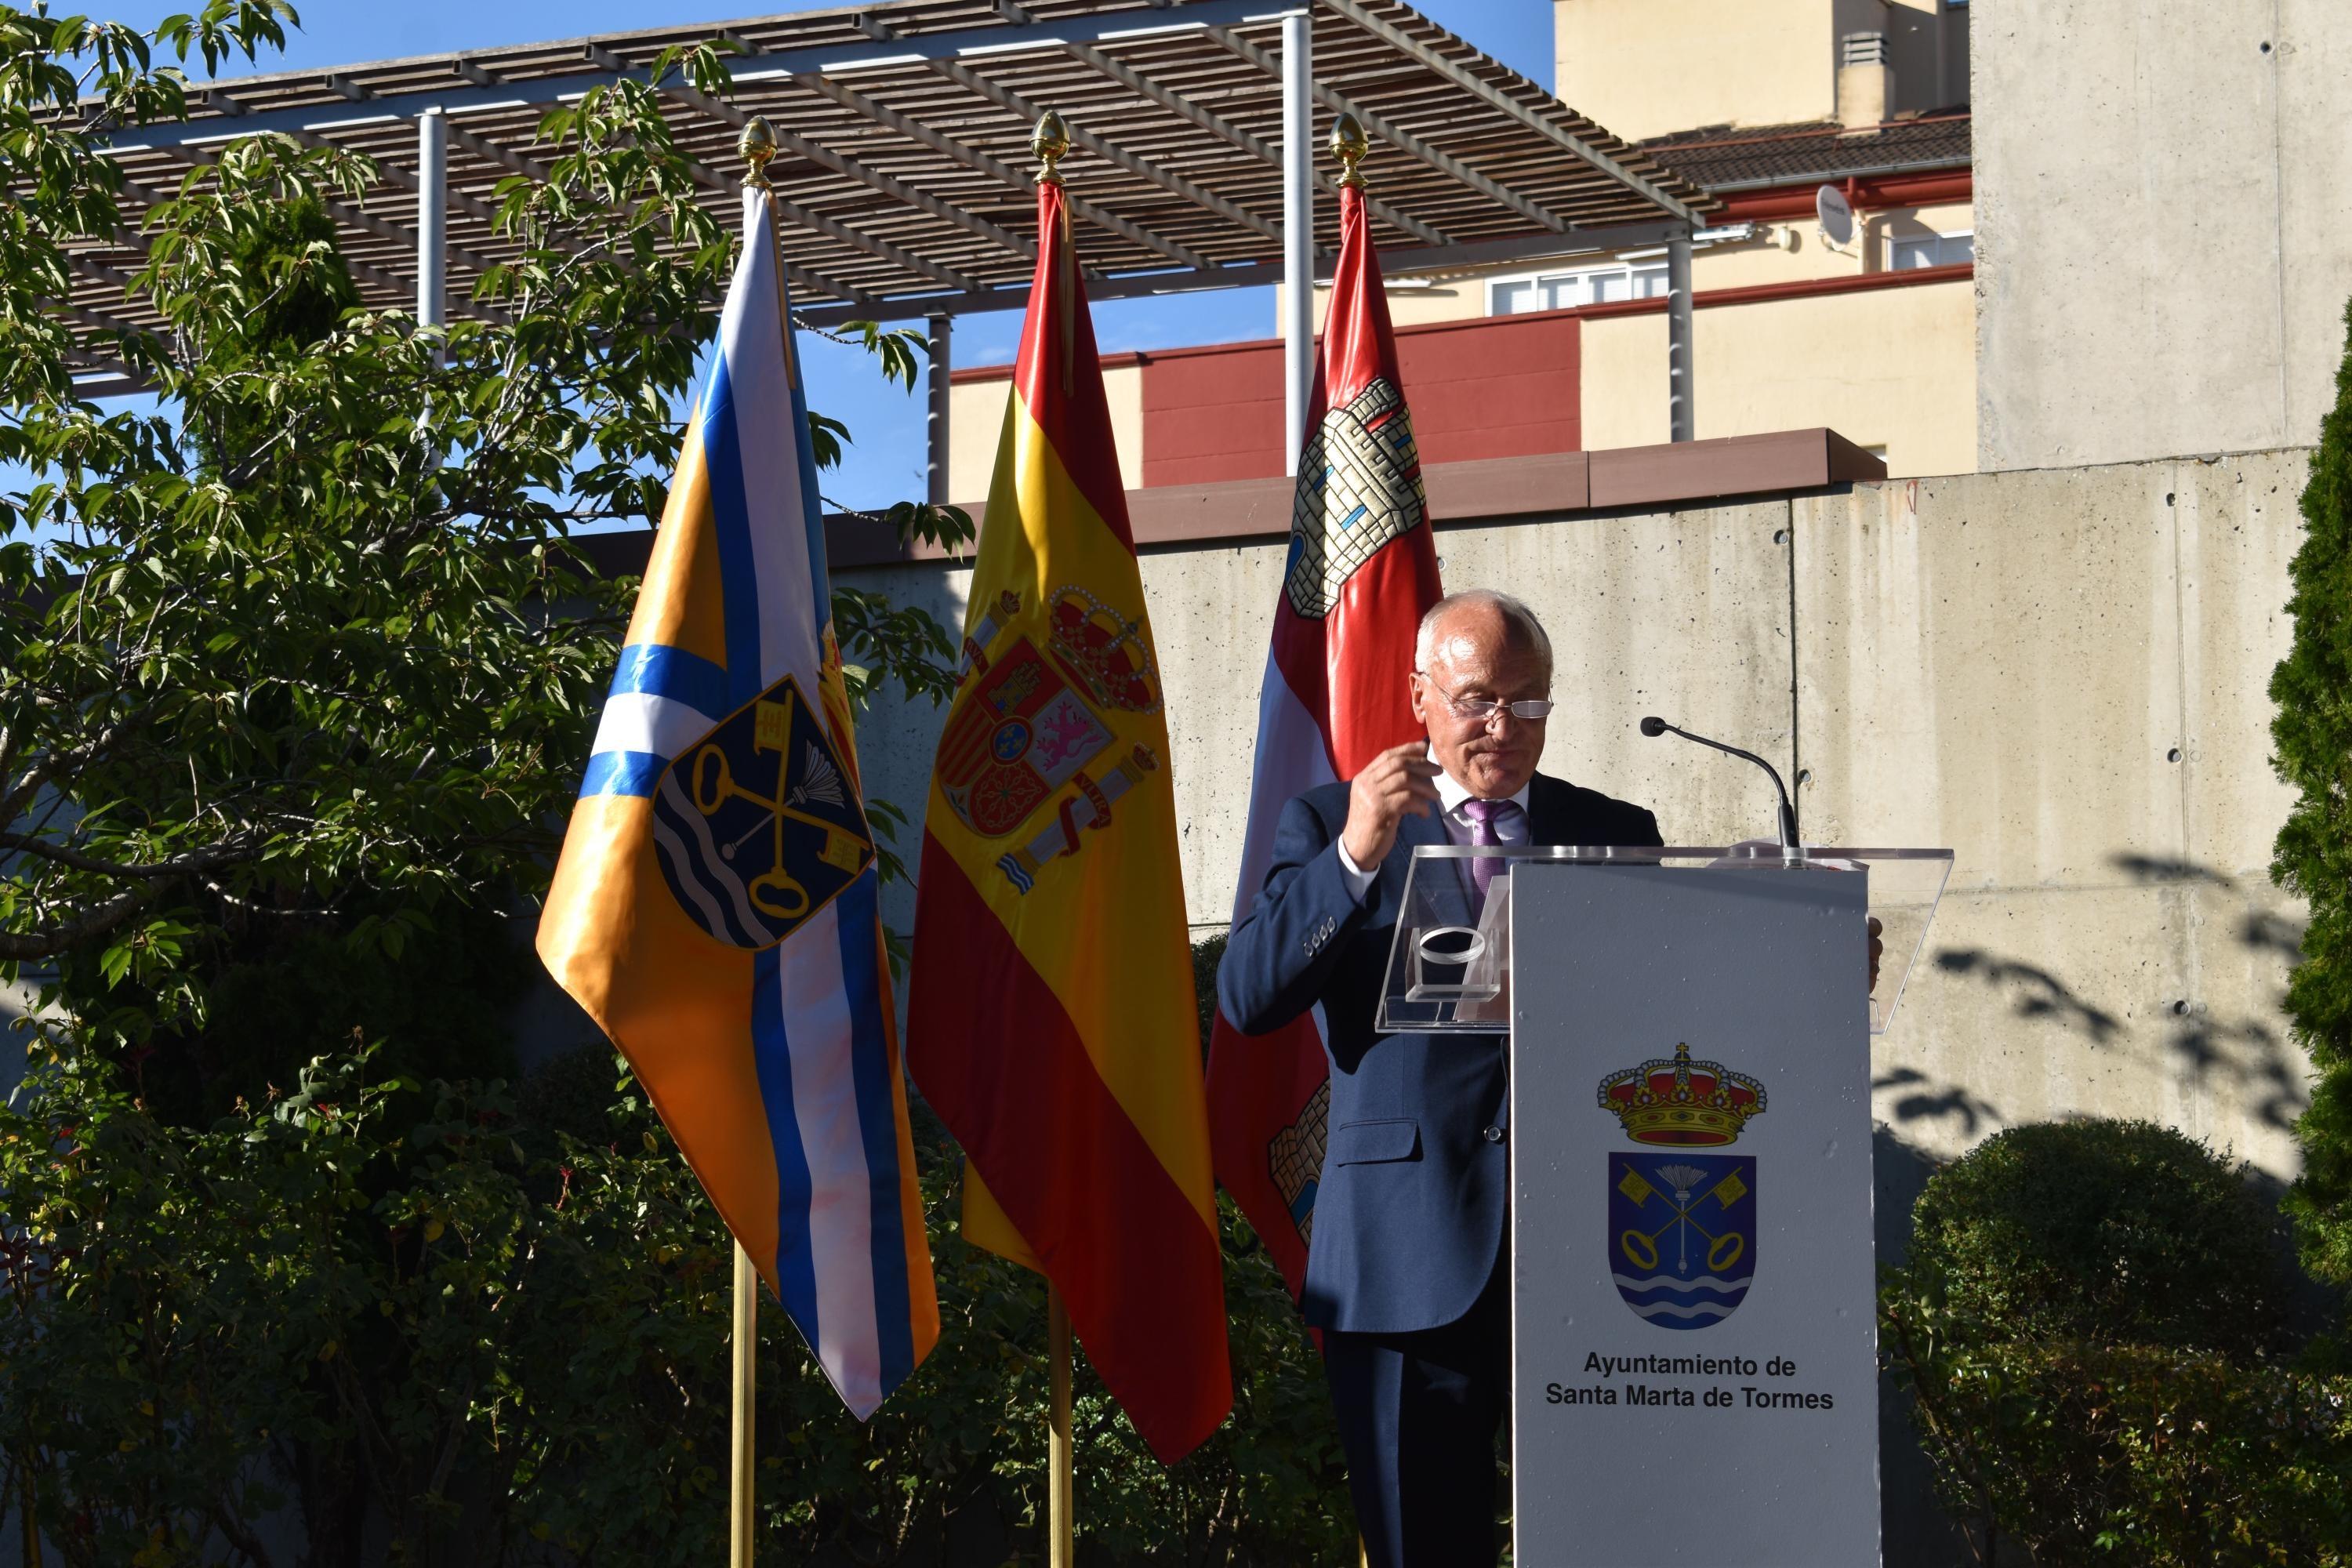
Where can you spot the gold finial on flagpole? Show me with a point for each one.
(756, 145)
(1051, 142)
(1348, 145)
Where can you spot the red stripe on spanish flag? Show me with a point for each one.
(1141, 1275)
(1051, 1021)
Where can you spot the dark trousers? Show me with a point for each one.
(1418, 1415)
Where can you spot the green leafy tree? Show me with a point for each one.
(281, 663)
(2313, 736)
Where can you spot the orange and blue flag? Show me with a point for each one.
(1051, 1021)
(716, 906)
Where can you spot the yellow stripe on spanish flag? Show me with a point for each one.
(1051, 1021)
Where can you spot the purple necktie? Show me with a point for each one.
(1486, 819)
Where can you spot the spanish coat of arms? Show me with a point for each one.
(1031, 721)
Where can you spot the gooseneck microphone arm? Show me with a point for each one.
(1654, 726)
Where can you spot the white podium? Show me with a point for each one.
(1694, 1331)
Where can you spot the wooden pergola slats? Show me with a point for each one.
(903, 162)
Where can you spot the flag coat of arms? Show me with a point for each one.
(1051, 1020)
(715, 910)
(1361, 571)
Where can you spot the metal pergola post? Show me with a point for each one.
(1298, 230)
(1681, 426)
(934, 422)
(432, 218)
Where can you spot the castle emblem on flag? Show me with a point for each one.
(756, 824)
(1682, 1234)
(1682, 1103)
(1295, 1159)
(1358, 488)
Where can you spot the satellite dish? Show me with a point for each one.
(1836, 215)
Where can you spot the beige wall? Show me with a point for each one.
(976, 427)
(2001, 663)
(1998, 663)
(1644, 67)
(1887, 368)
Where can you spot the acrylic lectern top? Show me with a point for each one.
(1450, 964)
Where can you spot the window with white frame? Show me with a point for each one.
(1905, 252)
(1585, 286)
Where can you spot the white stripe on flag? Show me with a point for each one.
(641, 721)
(1292, 758)
(816, 1010)
(751, 336)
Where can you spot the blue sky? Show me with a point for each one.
(886, 461)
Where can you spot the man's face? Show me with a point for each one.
(1471, 660)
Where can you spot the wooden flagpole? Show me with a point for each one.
(746, 1337)
(757, 145)
(1060, 1517)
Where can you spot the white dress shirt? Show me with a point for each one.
(1510, 828)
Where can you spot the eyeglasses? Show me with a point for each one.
(1482, 709)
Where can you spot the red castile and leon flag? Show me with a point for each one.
(1361, 571)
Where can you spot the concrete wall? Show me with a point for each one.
(2059, 674)
(2063, 674)
(2164, 225)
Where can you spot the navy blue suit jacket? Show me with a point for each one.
(1409, 1216)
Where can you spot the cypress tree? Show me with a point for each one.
(2313, 735)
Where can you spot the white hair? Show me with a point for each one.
(1519, 623)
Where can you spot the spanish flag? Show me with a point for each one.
(715, 910)
(1051, 1021)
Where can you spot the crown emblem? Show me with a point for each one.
(1102, 651)
(1682, 1103)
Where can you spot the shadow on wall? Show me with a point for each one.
(2254, 1055)
(2251, 1055)
(1922, 1098)
(2035, 993)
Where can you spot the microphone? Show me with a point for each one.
(1654, 726)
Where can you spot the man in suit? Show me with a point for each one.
(1407, 1273)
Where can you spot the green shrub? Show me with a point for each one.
(2103, 1231)
(2086, 1324)
(2112, 1455)
(497, 1328)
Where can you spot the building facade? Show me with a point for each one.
(1873, 334)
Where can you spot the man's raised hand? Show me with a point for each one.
(1400, 780)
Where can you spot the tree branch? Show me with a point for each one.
(48, 942)
(205, 859)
